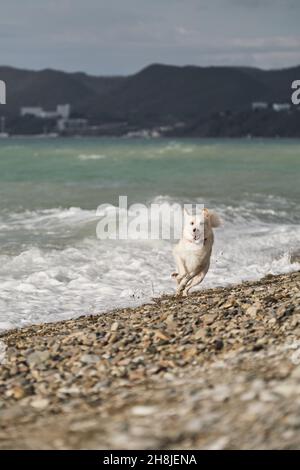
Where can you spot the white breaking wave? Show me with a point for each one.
(61, 270)
(45, 218)
(85, 157)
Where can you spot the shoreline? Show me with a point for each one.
(148, 301)
(217, 369)
(162, 137)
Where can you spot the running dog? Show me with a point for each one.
(192, 253)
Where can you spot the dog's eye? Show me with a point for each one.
(192, 223)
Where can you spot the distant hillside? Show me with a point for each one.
(166, 93)
(159, 94)
(48, 88)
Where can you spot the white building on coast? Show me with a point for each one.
(62, 112)
(281, 107)
(258, 105)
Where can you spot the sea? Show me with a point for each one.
(54, 267)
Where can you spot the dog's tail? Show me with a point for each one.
(214, 219)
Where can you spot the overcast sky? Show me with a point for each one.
(123, 36)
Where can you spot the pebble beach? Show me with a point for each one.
(219, 369)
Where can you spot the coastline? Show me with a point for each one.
(196, 372)
(241, 137)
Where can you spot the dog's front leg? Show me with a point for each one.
(181, 270)
(193, 282)
(183, 283)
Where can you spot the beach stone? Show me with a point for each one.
(16, 392)
(114, 326)
(185, 373)
(296, 373)
(73, 390)
(83, 426)
(218, 444)
(287, 389)
(252, 311)
(143, 410)
(229, 303)
(39, 403)
(210, 318)
(37, 358)
(284, 310)
(89, 358)
(219, 344)
(200, 334)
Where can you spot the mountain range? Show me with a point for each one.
(157, 95)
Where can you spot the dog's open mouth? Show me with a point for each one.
(199, 238)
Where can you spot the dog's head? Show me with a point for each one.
(198, 226)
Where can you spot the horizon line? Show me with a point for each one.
(37, 70)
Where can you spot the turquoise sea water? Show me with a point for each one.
(51, 264)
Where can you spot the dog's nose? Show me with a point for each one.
(194, 230)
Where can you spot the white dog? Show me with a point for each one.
(193, 251)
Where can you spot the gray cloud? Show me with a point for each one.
(122, 36)
(266, 3)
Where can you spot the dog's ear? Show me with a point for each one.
(206, 213)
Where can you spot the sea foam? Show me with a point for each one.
(58, 269)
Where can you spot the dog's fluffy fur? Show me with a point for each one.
(192, 253)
